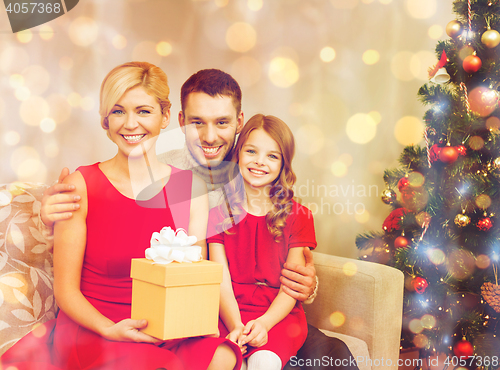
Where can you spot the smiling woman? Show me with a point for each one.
(93, 248)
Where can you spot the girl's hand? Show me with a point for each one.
(235, 335)
(128, 331)
(254, 334)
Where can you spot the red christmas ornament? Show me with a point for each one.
(448, 154)
(461, 149)
(434, 152)
(484, 224)
(472, 63)
(483, 101)
(392, 221)
(403, 183)
(419, 284)
(401, 242)
(463, 348)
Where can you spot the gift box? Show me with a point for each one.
(178, 299)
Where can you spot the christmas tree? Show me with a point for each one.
(444, 228)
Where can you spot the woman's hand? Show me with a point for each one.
(128, 331)
(254, 334)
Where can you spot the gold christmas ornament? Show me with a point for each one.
(462, 220)
(388, 196)
(454, 29)
(491, 38)
(491, 294)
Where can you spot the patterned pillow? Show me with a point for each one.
(26, 296)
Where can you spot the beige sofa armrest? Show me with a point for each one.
(369, 295)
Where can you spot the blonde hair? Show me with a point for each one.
(127, 76)
(281, 192)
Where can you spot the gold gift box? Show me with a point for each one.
(179, 300)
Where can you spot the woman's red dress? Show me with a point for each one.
(118, 229)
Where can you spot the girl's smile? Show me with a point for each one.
(260, 159)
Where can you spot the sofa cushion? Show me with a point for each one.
(26, 296)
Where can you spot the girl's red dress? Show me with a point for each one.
(118, 229)
(255, 262)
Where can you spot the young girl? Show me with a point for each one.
(257, 230)
(93, 249)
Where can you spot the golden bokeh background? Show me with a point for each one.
(343, 74)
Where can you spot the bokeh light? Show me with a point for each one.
(241, 37)
(350, 268)
(164, 48)
(37, 79)
(33, 110)
(493, 124)
(483, 201)
(5, 198)
(39, 330)
(13, 280)
(246, 70)
(339, 169)
(416, 179)
(428, 321)
(362, 217)
(310, 139)
(419, 64)
(221, 3)
(400, 66)
(376, 116)
(283, 72)
(47, 125)
(119, 42)
(436, 256)
(435, 31)
(46, 32)
(327, 54)
(59, 108)
(421, 9)
(22, 93)
(476, 143)
(255, 5)
(409, 130)
(371, 57)
(24, 36)
(420, 341)
(12, 138)
(361, 128)
(465, 52)
(483, 261)
(460, 264)
(83, 31)
(415, 326)
(344, 4)
(146, 50)
(337, 319)
(25, 161)
(16, 80)
(13, 59)
(74, 99)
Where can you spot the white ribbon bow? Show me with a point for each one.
(169, 245)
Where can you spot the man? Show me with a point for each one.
(211, 117)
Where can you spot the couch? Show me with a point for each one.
(359, 302)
